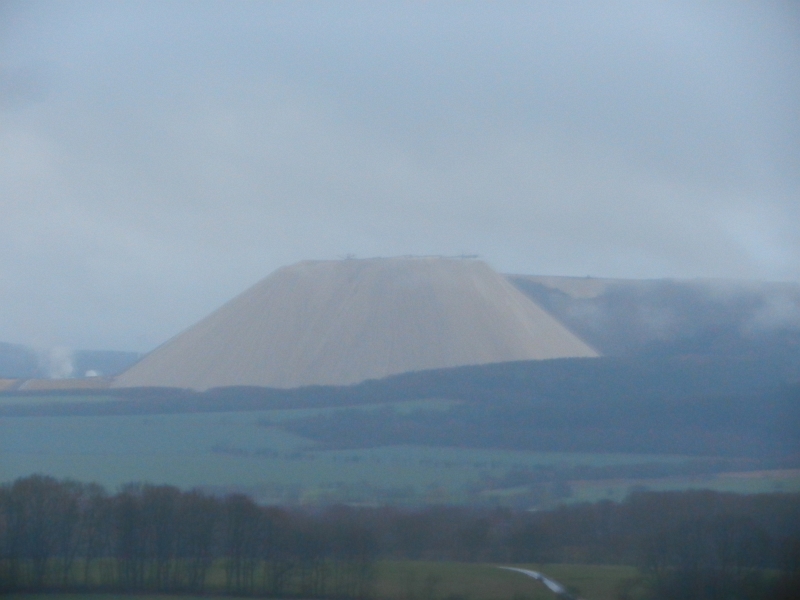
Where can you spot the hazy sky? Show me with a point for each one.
(158, 158)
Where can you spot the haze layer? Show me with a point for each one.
(340, 322)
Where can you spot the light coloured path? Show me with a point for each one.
(552, 585)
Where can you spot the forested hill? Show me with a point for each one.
(589, 383)
(760, 426)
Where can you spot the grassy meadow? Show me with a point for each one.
(248, 451)
(425, 580)
(421, 580)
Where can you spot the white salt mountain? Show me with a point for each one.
(341, 322)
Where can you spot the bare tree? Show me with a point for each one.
(199, 517)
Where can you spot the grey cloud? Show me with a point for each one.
(780, 310)
(184, 151)
(21, 87)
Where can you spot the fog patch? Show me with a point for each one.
(589, 313)
(678, 318)
(779, 311)
(657, 323)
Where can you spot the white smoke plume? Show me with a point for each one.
(57, 362)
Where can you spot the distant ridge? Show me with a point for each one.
(341, 322)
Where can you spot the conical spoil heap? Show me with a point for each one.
(341, 322)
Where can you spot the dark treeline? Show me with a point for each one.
(70, 536)
(761, 426)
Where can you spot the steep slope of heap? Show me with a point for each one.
(340, 322)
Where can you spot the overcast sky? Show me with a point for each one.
(158, 158)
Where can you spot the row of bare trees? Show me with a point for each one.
(72, 536)
(63, 535)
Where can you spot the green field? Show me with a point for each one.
(423, 580)
(419, 580)
(44, 399)
(247, 451)
(92, 596)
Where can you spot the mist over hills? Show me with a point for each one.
(340, 322)
(665, 317)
